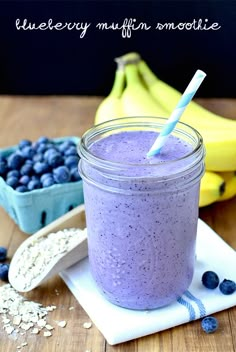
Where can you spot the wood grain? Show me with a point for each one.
(31, 117)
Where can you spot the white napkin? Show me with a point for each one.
(119, 324)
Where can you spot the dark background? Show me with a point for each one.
(59, 62)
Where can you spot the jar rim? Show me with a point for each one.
(129, 122)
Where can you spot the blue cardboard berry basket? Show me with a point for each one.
(36, 209)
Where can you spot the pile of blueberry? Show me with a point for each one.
(211, 281)
(40, 164)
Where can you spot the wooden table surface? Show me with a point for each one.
(31, 117)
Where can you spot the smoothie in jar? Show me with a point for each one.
(141, 212)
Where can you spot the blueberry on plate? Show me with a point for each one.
(210, 280)
(38, 157)
(209, 324)
(65, 145)
(61, 174)
(44, 176)
(3, 253)
(4, 269)
(227, 287)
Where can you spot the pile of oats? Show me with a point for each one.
(39, 254)
(20, 315)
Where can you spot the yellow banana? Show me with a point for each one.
(136, 100)
(168, 97)
(230, 185)
(111, 107)
(211, 188)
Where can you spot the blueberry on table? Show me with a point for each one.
(4, 269)
(227, 287)
(209, 324)
(15, 161)
(24, 143)
(210, 279)
(48, 152)
(21, 189)
(44, 176)
(42, 147)
(3, 253)
(61, 174)
(38, 157)
(12, 181)
(33, 184)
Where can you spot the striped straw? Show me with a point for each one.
(176, 114)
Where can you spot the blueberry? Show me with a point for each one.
(3, 168)
(47, 182)
(15, 161)
(2, 157)
(61, 174)
(14, 173)
(42, 147)
(44, 176)
(26, 169)
(72, 161)
(65, 145)
(29, 161)
(210, 279)
(55, 159)
(43, 139)
(4, 269)
(209, 324)
(24, 180)
(28, 152)
(71, 151)
(75, 176)
(12, 181)
(48, 152)
(38, 157)
(227, 287)
(24, 143)
(33, 184)
(3, 253)
(40, 167)
(21, 189)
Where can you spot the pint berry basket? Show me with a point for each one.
(35, 209)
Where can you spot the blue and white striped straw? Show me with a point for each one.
(176, 114)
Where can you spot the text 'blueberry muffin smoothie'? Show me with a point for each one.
(141, 211)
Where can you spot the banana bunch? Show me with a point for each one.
(137, 91)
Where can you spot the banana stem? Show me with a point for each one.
(119, 82)
(147, 75)
(132, 75)
(130, 58)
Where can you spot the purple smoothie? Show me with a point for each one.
(141, 219)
